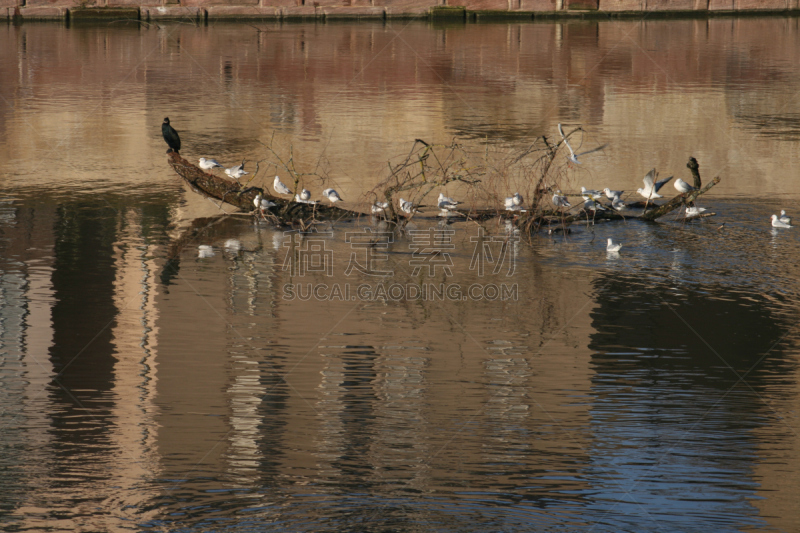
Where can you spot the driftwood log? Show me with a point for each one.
(232, 193)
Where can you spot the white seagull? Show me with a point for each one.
(573, 156)
(208, 164)
(446, 203)
(332, 196)
(379, 207)
(618, 204)
(560, 201)
(517, 199)
(591, 205)
(783, 218)
(776, 223)
(590, 194)
(303, 196)
(683, 187)
(407, 207)
(611, 194)
(279, 187)
(611, 247)
(236, 172)
(509, 204)
(650, 190)
(262, 203)
(694, 211)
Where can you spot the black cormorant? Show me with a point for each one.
(171, 136)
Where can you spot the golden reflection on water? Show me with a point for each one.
(150, 390)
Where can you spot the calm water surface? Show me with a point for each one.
(146, 387)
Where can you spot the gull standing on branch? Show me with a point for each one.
(407, 207)
(776, 223)
(279, 187)
(303, 196)
(446, 203)
(611, 247)
(783, 218)
(590, 194)
(683, 187)
(332, 196)
(236, 172)
(650, 190)
(611, 194)
(560, 201)
(618, 204)
(573, 156)
(208, 164)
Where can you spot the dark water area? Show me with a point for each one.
(162, 369)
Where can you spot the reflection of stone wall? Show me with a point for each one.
(152, 9)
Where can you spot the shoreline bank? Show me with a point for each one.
(469, 11)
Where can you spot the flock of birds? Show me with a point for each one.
(591, 197)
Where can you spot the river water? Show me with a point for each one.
(286, 382)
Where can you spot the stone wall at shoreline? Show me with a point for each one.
(20, 10)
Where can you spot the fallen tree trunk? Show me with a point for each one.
(232, 193)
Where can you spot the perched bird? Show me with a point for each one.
(650, 190)
(611, 247)
(446, 203)
(279, 187)
(262, 203)
(683, 187)
(590, 194)
(776, 223)
(208, 164)
(694, 211)
(236, 172)
(560, 201)
(573, 156)
(303, 196)
(611, 194)
(591, 205)
(517, 199)
(510, 205)
(618, 204)
(332, 196)
(379, 207)
(783, 218)
(171, 136)
(407, 207)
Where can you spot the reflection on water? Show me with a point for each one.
(147, 386)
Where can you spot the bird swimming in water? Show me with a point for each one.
(236, 172)
(171, 136)
(332, 196)
(279, 187)
(611, 247)
(783, 218)
(776, 223)
(208, 164)
(694, 211)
